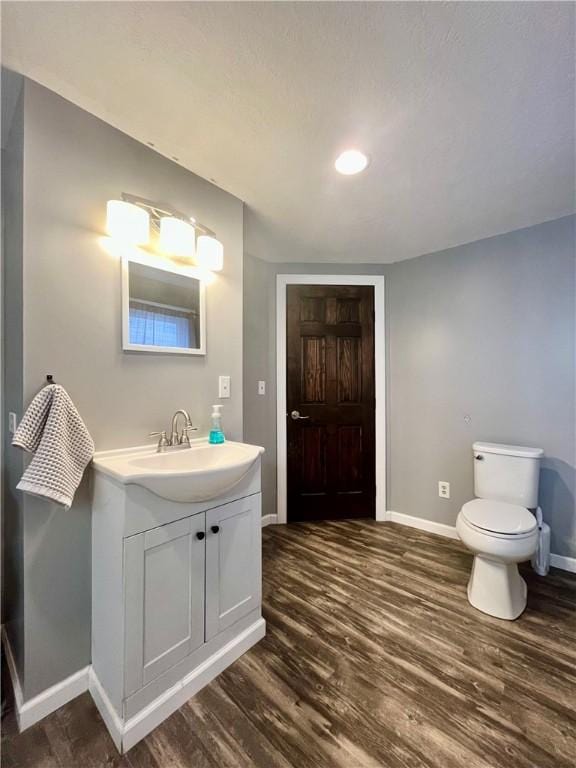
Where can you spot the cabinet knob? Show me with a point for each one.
(200, 535)
(215, 528)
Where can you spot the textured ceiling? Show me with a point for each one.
(466, 110)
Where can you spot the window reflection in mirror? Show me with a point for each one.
(163, 310)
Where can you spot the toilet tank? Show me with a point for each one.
(507, 473)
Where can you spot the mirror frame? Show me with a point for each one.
(164, 266)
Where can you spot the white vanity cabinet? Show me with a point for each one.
(174, 603)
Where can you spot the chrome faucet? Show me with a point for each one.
(183, 437)
(176, 439)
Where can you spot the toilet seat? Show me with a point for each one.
(499, 518)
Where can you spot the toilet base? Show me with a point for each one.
(496, 588)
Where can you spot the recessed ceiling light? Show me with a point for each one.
(350, 162)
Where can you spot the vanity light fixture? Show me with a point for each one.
(127, 223)
(177, 237)
(131, 219)
(209, 253)
(350, 162)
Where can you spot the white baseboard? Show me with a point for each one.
(269, 520)
(13, 672)
(103, 704)
(126, 734)
(53, 698)
(563, 562)
(48, 701)
(441, 529)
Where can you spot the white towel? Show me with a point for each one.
(53, 430)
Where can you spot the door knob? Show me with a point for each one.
(200, 535)
(215, 528)
(296, 415)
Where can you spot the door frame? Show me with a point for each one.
(378, 283)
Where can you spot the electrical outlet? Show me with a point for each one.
(444, 489)
(261, 387)
(12, 422)
(224, 386)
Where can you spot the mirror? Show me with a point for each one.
(163, 308)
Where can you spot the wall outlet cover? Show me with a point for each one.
(261, 387)
(443, 489)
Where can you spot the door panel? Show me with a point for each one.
(233, 563)
(164, 575)
(313, 369)
(350, 469)
(313, 466)
(330, 382)
(312, 309)
(347, 310)
(349, 371)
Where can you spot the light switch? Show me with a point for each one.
(224, 386)
(261, 387)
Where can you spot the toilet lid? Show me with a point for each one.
(499, 516)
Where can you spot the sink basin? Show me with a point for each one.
(198, 473)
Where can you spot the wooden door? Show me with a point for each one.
(233, 562)
(331, 402)
(164, 598)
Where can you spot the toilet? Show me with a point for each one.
(499, 527)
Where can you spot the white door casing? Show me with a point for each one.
(379, 372)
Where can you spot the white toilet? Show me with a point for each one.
(499, 527)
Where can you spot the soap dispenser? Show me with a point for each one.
(216, 434)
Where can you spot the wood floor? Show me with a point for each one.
(373, 658)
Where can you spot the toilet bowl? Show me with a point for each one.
(500, 535)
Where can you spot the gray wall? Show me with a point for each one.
(12, 371)
(74, 163)
(485, 330)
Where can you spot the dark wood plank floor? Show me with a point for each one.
(373, 658)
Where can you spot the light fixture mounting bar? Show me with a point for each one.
(157, 210)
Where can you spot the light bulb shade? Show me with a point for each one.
(209, 253)
(127, 222)
(176, 236)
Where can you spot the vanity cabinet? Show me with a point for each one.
(187, 581)
(174, 603)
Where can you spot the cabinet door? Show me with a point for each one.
(164, 598)
(233, 562)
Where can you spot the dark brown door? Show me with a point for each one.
(330, 398)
